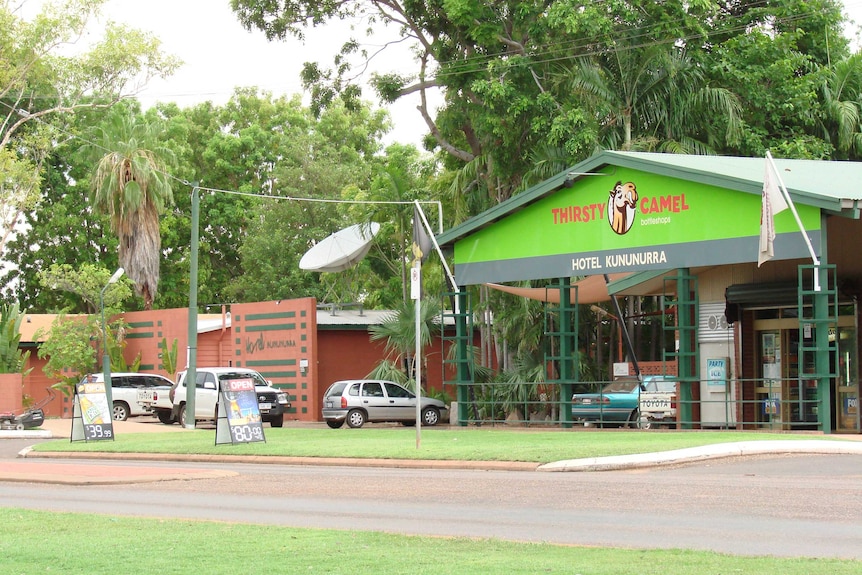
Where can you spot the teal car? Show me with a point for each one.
(615, 404)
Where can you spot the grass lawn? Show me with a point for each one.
(42, 542)
(395, 442)
(37, 541)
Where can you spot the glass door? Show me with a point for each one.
(768, 389)
(847, 387)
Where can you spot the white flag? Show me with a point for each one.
(772, 203)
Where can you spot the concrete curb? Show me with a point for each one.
(694, 454)
(286, 460)
(26, 434)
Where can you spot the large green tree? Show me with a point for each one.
(61, 229)
(776, 57)
(41, 82)
(321, 162)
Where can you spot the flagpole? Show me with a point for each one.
(427, 227)
(417, 370)
(792, 207)
(416, 293)
(418, 248)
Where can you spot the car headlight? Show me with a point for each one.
(282, 398)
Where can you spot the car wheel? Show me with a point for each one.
(182, 415)
(277, 422)
(634, 416)
(430, 416)
(166, 417)
(355, 418)
(334, 424)
(121, 411)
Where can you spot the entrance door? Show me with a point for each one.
(847, 387)
(786, 398)
(768, 394)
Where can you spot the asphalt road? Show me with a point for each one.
(790, 505)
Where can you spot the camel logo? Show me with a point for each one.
(622, 205)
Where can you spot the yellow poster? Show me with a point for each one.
(94, 403)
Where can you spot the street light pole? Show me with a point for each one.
(106, 358)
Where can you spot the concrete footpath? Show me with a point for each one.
(95, 468)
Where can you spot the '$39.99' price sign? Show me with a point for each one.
(96, 431)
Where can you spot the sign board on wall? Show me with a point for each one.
(716, 373)
(621, 369)
(627, 220)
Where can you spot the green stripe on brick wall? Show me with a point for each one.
(260, 316)
(144, 335)
(272, 327)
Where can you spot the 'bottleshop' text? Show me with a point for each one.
(647, 205)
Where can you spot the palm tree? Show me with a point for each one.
(843, 105)
(655, 98)
(131, 186)
(399, 331)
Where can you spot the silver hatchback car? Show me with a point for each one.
(359, 400)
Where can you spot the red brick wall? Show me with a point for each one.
(11, 390)
(343, 354)
(146, 331)
(36, 385)
(275, 338)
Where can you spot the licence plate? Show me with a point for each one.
(265, 406)
(145, 395)
(655, 404)
(587, 401)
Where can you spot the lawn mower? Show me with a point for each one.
(28, 418)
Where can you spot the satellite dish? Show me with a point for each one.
(341, 250)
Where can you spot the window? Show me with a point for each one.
(372, 389)
(393, 390)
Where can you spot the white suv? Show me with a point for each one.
(124, 391)
(273, 403)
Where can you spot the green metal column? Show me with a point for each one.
(818, 313)
(192, 357)
(687, 354)
(463, 362)
(563, 338)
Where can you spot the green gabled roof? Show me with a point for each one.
(832, 186)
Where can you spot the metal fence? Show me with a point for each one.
(738, 404)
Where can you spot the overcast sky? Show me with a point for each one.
(219, 55)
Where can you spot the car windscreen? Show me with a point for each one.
(621, 386)
(661, 385)
(258, 381)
